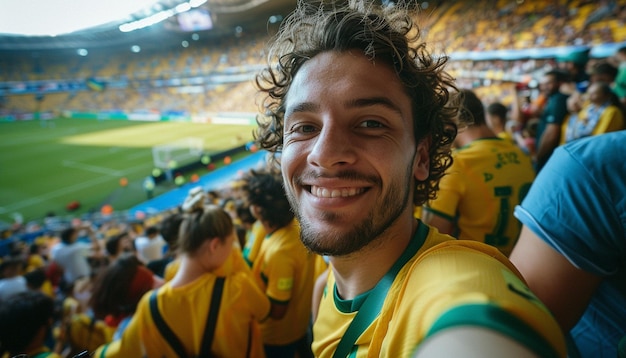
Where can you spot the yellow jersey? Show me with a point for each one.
(285, 269)
(487, 179)
(234, 263)
(610, 120)
(443, 283)
(185, 310)
(254, 241)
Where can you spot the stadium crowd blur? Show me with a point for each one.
(169, 81)
(165, 82)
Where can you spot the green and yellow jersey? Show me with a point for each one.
(185, 310)
(254, 240)
(285, 270)
(442, 283)
(487, 179)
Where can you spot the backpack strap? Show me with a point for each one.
(163, 328)
(214, 310)
(209, 329)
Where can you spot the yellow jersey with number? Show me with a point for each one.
(487, 179)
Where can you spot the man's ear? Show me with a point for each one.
(214, 243)
(207, 247)
(421, 163)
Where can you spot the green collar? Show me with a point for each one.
(369, 306)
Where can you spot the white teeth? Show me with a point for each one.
(335, 193)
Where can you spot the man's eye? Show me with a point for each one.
(303, 128)
(370, 123)
(307, 129)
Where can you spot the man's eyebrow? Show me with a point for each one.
(373, 101)
(353, 103)
(302, 107)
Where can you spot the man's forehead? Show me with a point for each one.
(337, 74)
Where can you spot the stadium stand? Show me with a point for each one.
(216, 77)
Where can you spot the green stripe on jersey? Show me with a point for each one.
(497, 319)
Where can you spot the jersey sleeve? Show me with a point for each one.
(129, 345)
(580, 219)
(280, 274)
(559, 110)
(470, 284)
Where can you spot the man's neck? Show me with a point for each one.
(359, 272)
(473, 133)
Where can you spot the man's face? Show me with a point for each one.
(125, 244)
(596, 96)
(349, 156)
(549, 85)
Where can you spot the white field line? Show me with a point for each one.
(92, 168)
(138, 155)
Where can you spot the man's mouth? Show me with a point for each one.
(322, 192)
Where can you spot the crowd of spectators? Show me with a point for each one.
(499, 24)
(96, 272)
(180, 80)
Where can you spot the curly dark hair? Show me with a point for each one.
(265, 190)
(471, 109)
(384, 34)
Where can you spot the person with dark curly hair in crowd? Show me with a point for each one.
(26, 319)
(284, 269)
(358, 110)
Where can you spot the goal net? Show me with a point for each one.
(179, 153)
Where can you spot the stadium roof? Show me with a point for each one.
(22, 22)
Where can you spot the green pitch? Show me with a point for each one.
(44, 165)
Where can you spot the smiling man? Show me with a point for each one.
(359, 114)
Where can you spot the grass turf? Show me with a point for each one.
(44, 165)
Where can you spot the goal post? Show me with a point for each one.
(179, 153)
